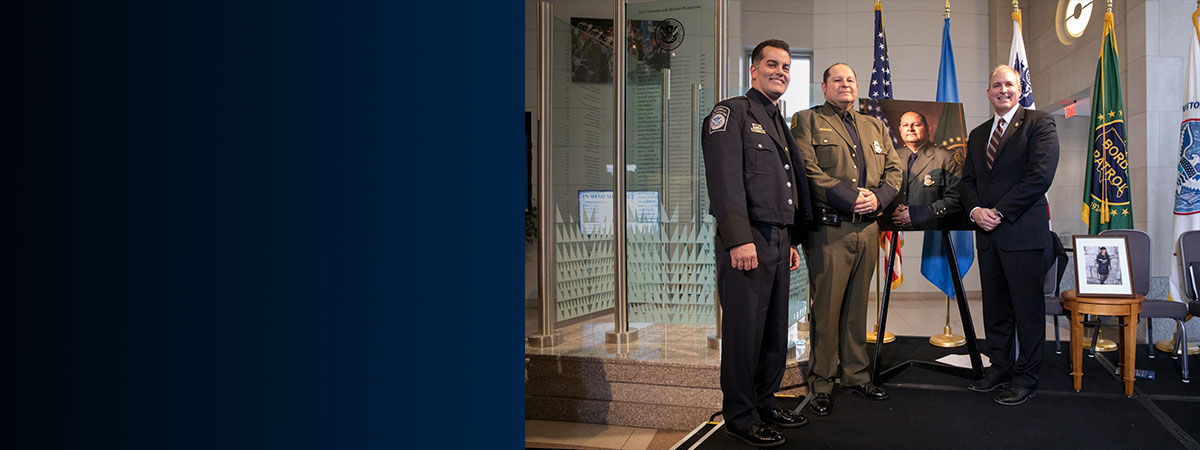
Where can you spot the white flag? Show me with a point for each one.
(1020, 62)
(1187, 186)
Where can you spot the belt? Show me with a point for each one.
(827, 217)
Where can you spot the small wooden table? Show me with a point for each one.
(1126, 309)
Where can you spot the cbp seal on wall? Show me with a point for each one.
(668, 34)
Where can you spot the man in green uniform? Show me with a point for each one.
(853, 172)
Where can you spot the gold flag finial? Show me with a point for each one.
(948, 8)
(1196, 19)
(1016, 14)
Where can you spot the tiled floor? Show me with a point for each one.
(909, 314)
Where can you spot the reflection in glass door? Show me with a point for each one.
(669, 85)
(582, 118)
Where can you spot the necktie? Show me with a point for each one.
(911, 159)
(994, 143)
(857, 152)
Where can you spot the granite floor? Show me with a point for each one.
(910, 314)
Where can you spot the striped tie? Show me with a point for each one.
(994, 143)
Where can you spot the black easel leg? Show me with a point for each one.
(963, 309)
(883, 307)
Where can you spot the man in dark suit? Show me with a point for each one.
(1011, 161)
(853, 173)
(928, 198)
(759, 197)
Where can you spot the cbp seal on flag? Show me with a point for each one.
(1187, 188)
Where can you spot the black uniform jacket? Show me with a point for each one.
(748, 173)
(1016, 185)
(931, 191)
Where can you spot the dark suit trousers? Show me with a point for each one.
(754, 308)
(1014, 310)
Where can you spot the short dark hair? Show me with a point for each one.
(918, 113)
(757, 54)
(825, 76)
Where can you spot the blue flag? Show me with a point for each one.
(935, 266)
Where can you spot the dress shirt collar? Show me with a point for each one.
(1007, 117)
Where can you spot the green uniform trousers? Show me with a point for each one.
(841, 262)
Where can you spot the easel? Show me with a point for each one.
(879, 377)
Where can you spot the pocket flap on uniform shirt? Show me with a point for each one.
(825, 136)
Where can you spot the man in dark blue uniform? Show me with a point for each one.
(759, 196)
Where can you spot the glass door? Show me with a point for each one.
(670, 75)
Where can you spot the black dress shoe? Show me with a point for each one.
(758, 435)
(821, 404)
(988, 384)
(1014, 395)
(783, 418)
(867, 390)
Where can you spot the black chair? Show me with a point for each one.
(1139, 263)
(1050, 289)
(1189, 261)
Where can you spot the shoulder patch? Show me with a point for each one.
(719, 120)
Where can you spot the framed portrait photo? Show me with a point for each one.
(1102, 266)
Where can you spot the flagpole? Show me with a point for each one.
(1016, 15)
(948, 339)
(1195, 18)
(1099, 343)
(873, 336)
(1168, 345)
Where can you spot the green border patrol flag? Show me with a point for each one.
(1106, 196)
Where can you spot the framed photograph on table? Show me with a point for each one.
(1102, 266)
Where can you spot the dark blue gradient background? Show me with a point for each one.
(266, 224)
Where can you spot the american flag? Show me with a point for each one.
(871, 107)
(881, 70)
(881, 76)
(881, 88)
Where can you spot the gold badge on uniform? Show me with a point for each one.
(928, 180)
(756, 128)
(878, 149)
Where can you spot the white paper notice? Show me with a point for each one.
(962, 360)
